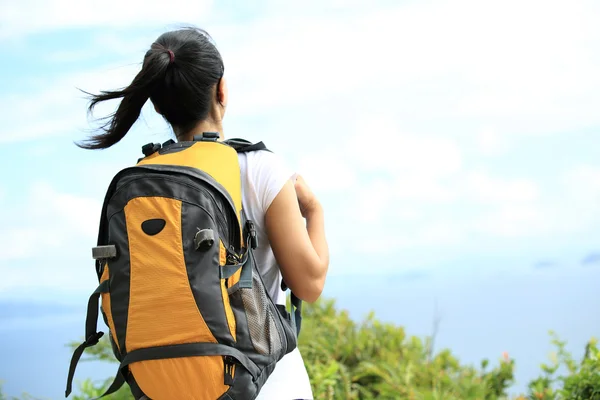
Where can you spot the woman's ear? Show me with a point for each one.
(222, 95)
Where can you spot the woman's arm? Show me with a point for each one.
(299, 246)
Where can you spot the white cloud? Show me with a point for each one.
(49, 222)
(583, 182)
(515, 221)
(467, 59)
(447, 59)
(369, 203)
(408, 188)
(416, 192)
(581, 190)
(481, 187)
(398, 99)
(379, 144)
(407, 165)
(60, 107)
(572, 206)
(403, 245)
(77, 215)
(52, 233)
(18, 243)
(327, 171)
(490, 142)
(36, 16)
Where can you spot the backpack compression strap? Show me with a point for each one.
(91, 332)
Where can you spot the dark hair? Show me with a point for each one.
(179, 74)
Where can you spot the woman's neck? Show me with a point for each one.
(204, 126)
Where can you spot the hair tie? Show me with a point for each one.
(171, 56)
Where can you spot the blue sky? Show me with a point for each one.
(448, 141)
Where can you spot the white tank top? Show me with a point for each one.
(263, 176)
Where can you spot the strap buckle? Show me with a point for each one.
(94, 339)
(104, 252)
(253, 242)
(207, 137)
(150, 148)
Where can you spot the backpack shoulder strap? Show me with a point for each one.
(244, 146)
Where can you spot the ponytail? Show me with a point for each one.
(179, 75)
(155, 66)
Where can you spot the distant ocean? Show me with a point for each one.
(480, 318)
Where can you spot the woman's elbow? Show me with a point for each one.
(311, 290)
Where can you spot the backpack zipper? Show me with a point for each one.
(232, 257)
(221, 221)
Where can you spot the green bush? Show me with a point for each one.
(581, 381)
(375, 360)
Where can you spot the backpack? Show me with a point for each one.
(186, 308)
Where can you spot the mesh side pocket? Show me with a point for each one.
(261, 324)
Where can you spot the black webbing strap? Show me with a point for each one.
(244, 146)
(246, 278)
(227, 271)
(116, 384)
(296, 312)
(178, 351)
(245, 281)
(92, 336)
(296, 309)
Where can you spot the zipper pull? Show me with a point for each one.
(232, 257)
(252, 233)
(228, 370)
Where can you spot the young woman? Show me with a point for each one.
(182, 75)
